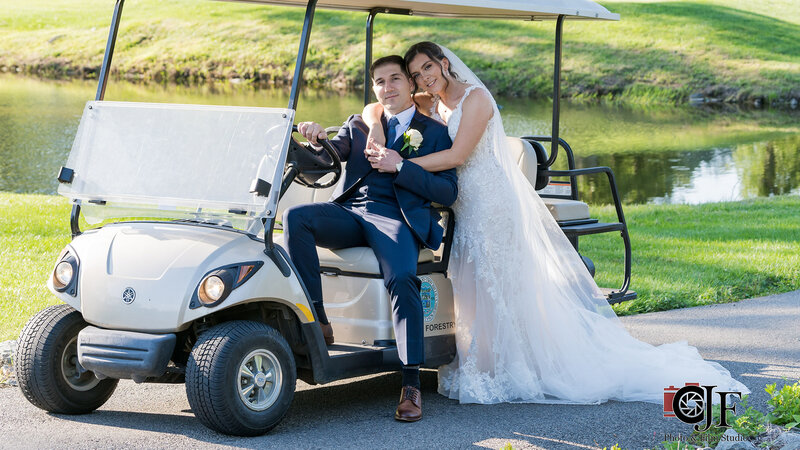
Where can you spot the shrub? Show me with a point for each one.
(785, 405)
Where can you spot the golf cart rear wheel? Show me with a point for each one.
(47, 365)
(240, 378)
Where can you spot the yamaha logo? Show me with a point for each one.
(128, 296)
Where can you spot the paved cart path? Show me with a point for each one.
(758, 340)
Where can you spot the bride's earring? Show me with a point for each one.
(448, 72)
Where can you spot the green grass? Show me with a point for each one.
(686, 255)
(660, 52)
(682, 255)
(33, 230)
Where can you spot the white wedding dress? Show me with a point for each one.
(531, 324)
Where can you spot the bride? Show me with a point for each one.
(531, 324)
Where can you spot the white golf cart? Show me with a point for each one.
(186, 280)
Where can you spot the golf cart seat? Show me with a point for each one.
(528, 159)
(353, 260)
(360, 259)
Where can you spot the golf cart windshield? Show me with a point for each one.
(178, 161)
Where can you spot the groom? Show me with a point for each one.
(390, 212)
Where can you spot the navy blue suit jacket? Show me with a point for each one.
(414, 187)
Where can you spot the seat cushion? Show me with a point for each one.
(563, 210)
(354, 259)
(359, 259)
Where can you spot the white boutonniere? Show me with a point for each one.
(412, 139)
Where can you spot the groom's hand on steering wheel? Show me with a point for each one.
(381, 158)
(312, 131)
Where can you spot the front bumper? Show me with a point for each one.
(124, 354)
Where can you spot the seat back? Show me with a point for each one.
(524, 155)
(531, 157)
(300, 195)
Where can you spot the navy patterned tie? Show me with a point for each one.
(391, 130)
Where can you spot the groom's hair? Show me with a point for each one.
(391, 59)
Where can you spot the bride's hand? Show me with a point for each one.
(381, 158)
(374, 149)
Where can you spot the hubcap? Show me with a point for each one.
(259, 382)
(73, 372)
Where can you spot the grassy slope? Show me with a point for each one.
(683, 255)
(660, 51)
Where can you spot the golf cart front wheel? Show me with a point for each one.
(240, 378)
(47, 367)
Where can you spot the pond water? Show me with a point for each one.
(659, 155)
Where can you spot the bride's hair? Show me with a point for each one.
(434, 52)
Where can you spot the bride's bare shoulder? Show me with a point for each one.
(478, 100)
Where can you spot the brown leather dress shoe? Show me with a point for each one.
(410, 407)
(327, 333)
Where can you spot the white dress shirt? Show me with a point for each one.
(404, 121)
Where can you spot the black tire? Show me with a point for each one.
(46, 357)
(214, 381)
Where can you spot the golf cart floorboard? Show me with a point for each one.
(349, 349)
(350, 360)
(347, 360)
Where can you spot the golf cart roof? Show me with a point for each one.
(500, 9)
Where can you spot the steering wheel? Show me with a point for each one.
(311, 166)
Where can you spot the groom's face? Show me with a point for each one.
(392, 88)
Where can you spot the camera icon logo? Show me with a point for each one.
(691, 403)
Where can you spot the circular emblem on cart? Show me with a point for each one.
(430, 298)
(128, 295)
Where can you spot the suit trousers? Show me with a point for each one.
(335, 226)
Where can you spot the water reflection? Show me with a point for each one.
(737, 172)
(660, 155)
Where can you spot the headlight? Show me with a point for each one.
(211, 289)
(217, 284)
(63, 274)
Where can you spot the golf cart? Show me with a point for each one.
(186, 280)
